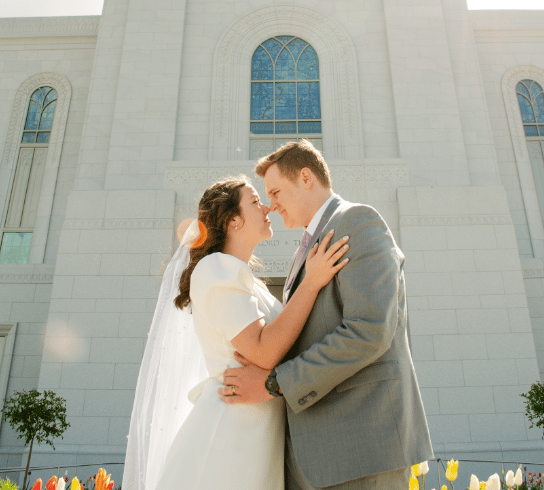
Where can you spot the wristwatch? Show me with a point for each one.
(271, 384)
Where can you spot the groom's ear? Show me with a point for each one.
(307, 177)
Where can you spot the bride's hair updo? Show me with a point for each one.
(218, 206)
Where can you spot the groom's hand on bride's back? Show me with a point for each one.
(248, 382)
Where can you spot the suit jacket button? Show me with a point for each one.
(313, 394)
(302, 401)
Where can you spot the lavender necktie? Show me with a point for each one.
(297, 262)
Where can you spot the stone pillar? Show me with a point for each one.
(475, 122)
(95, 138)
(428, 118)
(146, 105)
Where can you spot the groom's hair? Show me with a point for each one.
(292, 157)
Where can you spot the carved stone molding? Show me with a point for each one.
(118, 224)
(530, 198)
(196, 179)
(532, 268)
(533, 273)
(11, 150)
(276, 266)
(509, 32)
(48, 40)
(229, 125)
(26, 274)
(483, 219)
(61, 25)
(26, 278)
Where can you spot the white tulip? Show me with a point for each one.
(494, 483)
(61, 484)
(518, 479)
(509, 478)
(474, 483)
(424, 468)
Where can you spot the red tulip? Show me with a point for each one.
(51, 483)
(38, 484)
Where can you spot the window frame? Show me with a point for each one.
(8, 164)
(530, 197)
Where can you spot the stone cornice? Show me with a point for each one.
(26, 274)
(494, 33)
(46, 40)
(49, 25)
(118, 224)
(468, 220)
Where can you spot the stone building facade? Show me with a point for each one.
(418, 114)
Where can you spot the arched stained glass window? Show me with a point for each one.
(27, 183)
(531, 104)
(285, 103)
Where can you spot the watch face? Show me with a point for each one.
(271, 384)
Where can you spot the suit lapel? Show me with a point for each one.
(331, 208)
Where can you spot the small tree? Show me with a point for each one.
(534, 405)
(36, 417)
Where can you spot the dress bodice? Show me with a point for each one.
(225, 299)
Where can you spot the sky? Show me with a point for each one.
(47, 8)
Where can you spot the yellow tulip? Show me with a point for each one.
(414, 483)
(414, 471)
(75, 484)
(444, 487)
(451, 472)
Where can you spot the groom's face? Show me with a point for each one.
(287, 197)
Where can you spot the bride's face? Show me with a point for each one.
(253, 225)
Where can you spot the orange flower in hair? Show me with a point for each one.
(203, 235)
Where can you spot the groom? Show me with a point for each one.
(354, 411)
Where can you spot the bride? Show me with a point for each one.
(210, 280)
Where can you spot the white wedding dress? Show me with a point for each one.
(221, 446)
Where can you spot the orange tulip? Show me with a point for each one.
(51, 483)
(38, 484)
(110, 486)
(103, 481)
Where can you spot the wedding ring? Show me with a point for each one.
(233, 390)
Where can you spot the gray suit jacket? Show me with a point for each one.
(353, 402)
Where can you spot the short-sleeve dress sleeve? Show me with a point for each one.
(222, 290)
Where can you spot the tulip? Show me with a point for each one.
(424, 467)
(51, 483)
(518, 479)
(414, 470)
(509, 478)
(61, 485)
(103, 481)
(494, 482)
(75, 484)
(443, 487)
(38, 484)
(451, 471)
(474, 483)
(414, 483)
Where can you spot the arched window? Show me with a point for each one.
(531, 104)
(27, 183)
(285, 104)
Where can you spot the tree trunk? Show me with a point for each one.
(28, 463)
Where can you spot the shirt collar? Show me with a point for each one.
(317, 216)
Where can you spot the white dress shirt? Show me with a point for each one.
(317, 216)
